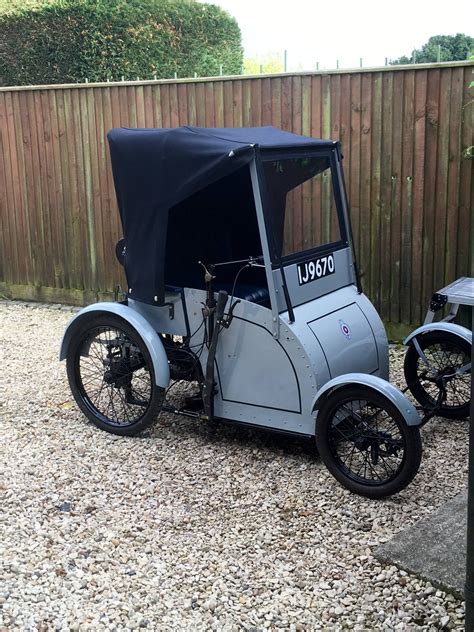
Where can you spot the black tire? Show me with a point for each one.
(365, 443)
(111, 375)
(446, 352)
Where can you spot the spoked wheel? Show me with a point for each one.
(111, 376)
(365, 443)
(441, 377)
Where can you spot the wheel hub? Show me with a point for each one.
(118, 373)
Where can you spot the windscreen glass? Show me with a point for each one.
(301, 199)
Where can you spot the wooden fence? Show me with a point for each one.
(405, 134)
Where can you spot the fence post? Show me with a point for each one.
(285, 61)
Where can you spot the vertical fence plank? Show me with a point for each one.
(174, 108)
(407, 195)
(209, 100)
(365, 177)
(266, 101)
(183, 104)
(148, 106)
(219, 103)
(191, 96)
(282, 103)
(165, 106)
(441, 189)
(397, 166)
(431, 152)
(280, 109)
(228, 104)
(354, 173)
(454, 159)
(8, 204)
(246, 104)
(200, 105)
(418, 301)
(465, 255)
(140, 106)
(376, 218)
(386, 175)
(29, 186)
(157, 92)
(237, 102)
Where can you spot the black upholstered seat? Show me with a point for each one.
(251, 293)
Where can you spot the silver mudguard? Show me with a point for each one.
(396, 397)
(452, 328)
(138, 322)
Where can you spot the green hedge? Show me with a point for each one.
(63, 41)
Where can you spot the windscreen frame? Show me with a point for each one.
(277, 259)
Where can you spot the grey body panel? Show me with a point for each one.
(365, 351)
(138, 322)
(351, 322)
(273, 382)
(458, 330)
(167, 319)
(396, 397)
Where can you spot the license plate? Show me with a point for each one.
(315, 269)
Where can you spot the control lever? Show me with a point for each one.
(208, 390)
(225, 322)
(208, 276)
(220, 306)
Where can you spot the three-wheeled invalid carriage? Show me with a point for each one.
(242, 279)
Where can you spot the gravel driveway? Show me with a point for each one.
(191, 528)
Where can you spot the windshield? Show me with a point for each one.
(301, 199)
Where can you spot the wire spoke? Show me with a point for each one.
(112, 370)
(366, 442)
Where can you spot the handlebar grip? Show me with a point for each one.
(221, 303)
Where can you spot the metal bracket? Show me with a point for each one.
(170, 310)
(438, 301)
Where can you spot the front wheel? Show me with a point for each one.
(111, 375)
(440, 378)
(365, 442)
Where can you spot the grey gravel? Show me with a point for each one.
(193, 527)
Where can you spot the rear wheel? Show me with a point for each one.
(365, 443)
(111, 376)
(441, 379)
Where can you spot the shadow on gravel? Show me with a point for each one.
(233, 433)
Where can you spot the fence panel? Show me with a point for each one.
(404, 134)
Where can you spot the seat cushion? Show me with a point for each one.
(251, 293)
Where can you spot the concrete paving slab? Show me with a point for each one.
(434, 548)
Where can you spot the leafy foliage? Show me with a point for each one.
(62, 41)
(452, 48)
(267, 64)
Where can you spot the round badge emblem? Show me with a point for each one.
(345, 329)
